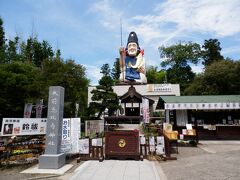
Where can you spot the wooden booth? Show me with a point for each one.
(213, 117)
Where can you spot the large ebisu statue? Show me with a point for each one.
(132, 62)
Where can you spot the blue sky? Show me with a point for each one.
(89, 31)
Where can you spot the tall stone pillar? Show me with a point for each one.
(53, 158)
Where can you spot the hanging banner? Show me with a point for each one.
(145, 106)
(39, 107)
(27, 110)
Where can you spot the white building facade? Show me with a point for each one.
(151, 91)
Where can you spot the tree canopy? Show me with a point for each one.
(176, 59)
(219, 78)
(211, 52)
(28, 68)
(154, 76)
(103, 96)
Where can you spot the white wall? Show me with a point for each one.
(145, 90)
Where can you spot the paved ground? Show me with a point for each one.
(117, 170)
(211, 160)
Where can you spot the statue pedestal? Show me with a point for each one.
(51, 161)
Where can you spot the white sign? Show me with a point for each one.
(23, 126)
(151, 144)
(189, 126)
(97, 142)
(160, 87)
(142, 140)
(160, 149)
(84, 146)
(70, 135)
(37, 126)
(75, 134)
(173, 106)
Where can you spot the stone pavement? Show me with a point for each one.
(116, 170)
(211, 160)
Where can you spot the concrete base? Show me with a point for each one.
(51, 161)
(35, 170)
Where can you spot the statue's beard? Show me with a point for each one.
(132, 52)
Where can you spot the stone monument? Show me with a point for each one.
(53, 158)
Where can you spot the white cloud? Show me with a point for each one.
(93, 72)
(174, 19)
(214, 16)
(197, 68)
(110, 18)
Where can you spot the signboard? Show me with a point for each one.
(84, 146)
(70, 135)
(23, 126)
(160, 87)
(97, 142)
(151, 144)
(66, 138)
(173, 106)
(160, 149)
(93, 126)
(37, 126)
(75, 134)
(142, 140)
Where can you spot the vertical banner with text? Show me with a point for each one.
(27, 110)
(145, 106)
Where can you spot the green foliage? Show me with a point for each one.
(180, 54)
(180, 75)
(27, 69)
(2, 42)
(17, 88)
(11, 52)
(219, 78)
(70, 76)
(2, 33)
(116, 71)
(177, 58)
(154, 76)
(211, 52)
(103, 96)
(35, 52)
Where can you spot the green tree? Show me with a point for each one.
(17, 88)
(211, 52)
(154, 76)
(69, 75)
(12, 51)
(176, 61)
(103, 96)
(219, 78)
(35, 52)
(2, 42)
(116, 71)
